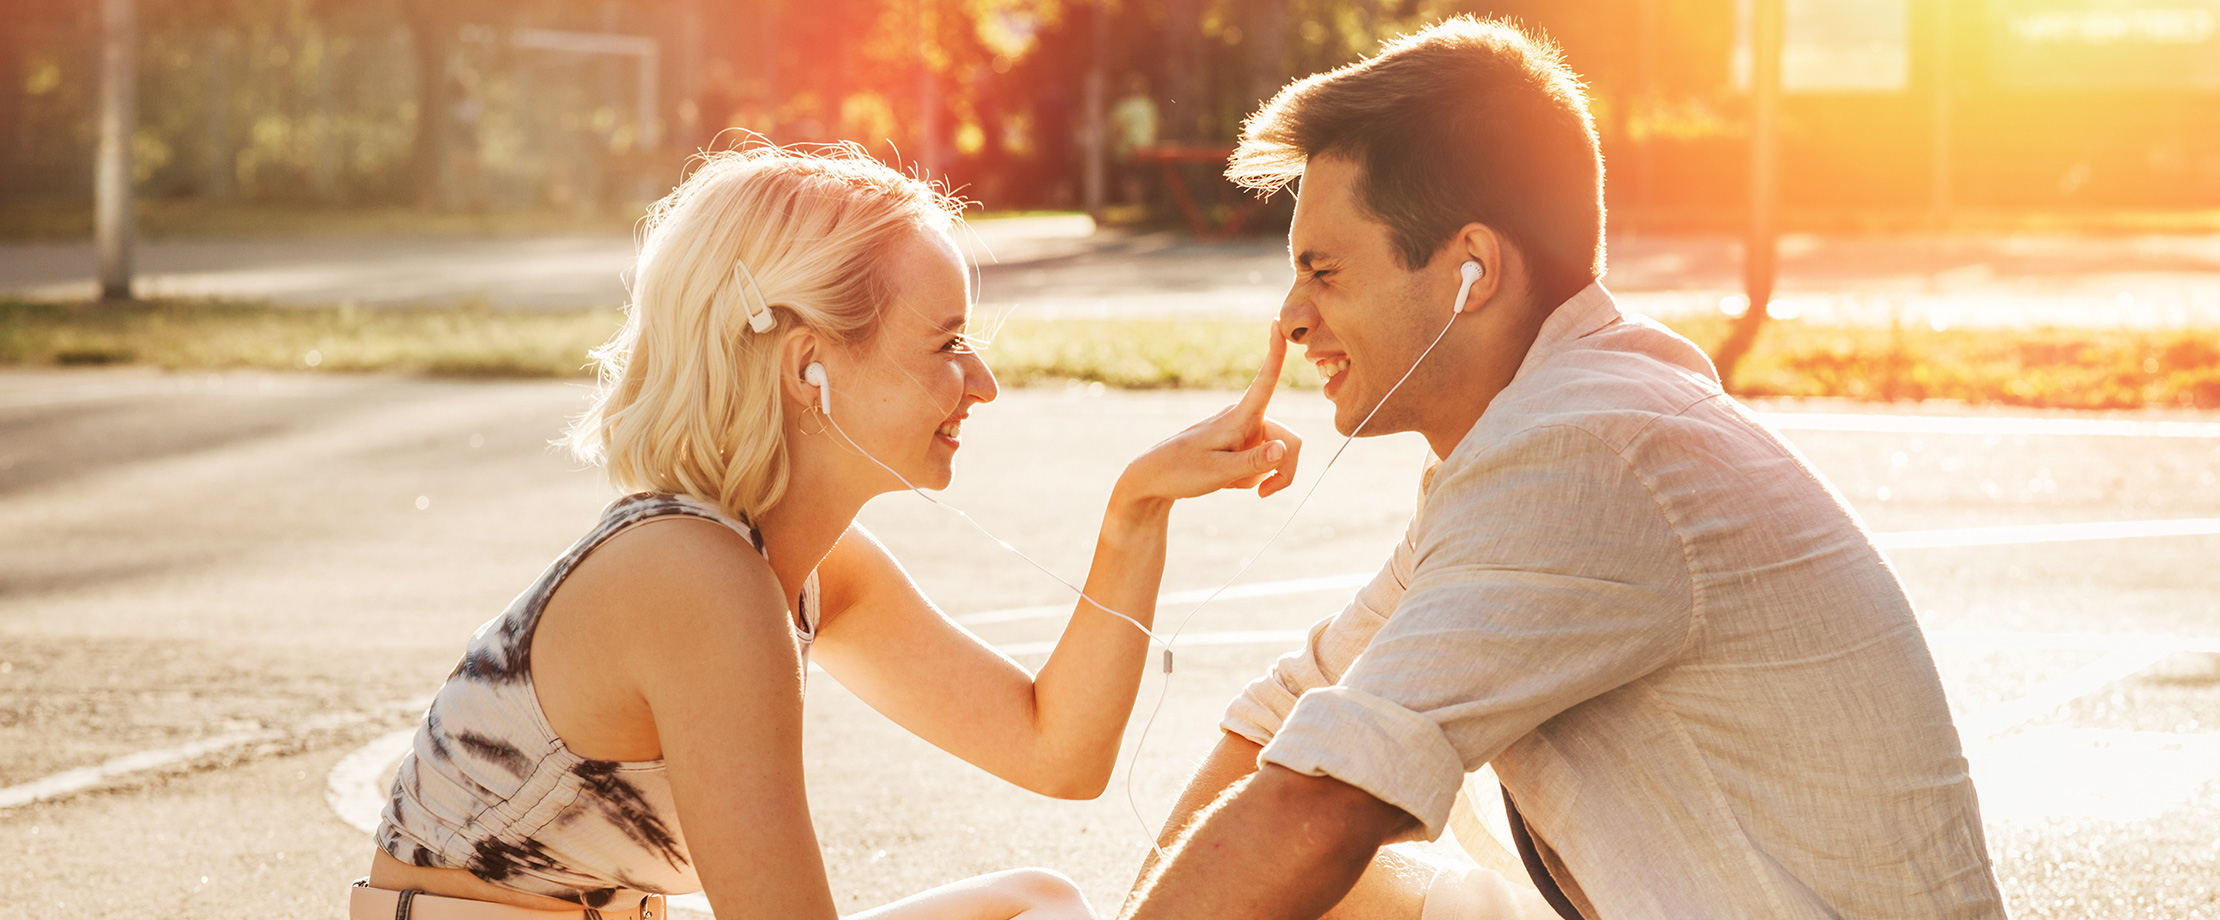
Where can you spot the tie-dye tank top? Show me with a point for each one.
(489, 787)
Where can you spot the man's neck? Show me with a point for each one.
(1488, 362)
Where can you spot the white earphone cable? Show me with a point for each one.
(998, 541)
(1164, 691)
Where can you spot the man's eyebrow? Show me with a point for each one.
(1304, 259)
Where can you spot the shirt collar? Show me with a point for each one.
(1583, 313)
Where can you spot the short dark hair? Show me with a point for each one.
(1467, 120)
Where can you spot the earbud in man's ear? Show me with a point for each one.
(1470, 272)
(814, 375)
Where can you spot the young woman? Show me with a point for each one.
(632, 725)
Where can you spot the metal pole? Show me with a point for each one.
(1094, 181)
(112, 210)
(1766, 37)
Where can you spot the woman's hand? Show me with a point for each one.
(1237, 448)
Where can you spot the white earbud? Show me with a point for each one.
(814, 375)
(1470, 272)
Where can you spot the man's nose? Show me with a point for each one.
(1297, 316)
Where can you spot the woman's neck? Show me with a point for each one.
(803, 526)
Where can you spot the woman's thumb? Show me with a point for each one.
(1264, 455)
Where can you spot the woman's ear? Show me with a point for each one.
(1480, 243)
(798, 349)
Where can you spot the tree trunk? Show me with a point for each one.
(430, 38)
(1768, 27)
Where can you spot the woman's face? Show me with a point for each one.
(904, 395)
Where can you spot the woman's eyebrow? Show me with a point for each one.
(954, 323)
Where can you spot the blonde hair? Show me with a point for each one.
(689, 401)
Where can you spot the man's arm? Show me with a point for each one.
(1279, 844)
(1232, 760)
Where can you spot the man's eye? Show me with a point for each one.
(1319, 274)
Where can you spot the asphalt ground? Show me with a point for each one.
(281, 567)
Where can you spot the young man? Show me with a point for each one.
(1701, 686)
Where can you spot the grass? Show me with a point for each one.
(196, 335)
(2061, 368)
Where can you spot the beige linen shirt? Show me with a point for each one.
(1679, 648)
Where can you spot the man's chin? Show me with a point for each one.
(1346, 423)
(1348, 415)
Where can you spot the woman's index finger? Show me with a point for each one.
(1259, 394)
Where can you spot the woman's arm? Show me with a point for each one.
(1055, 733)
(715, 660)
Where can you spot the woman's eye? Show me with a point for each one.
(961, 345)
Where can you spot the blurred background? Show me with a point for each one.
(1898, 113)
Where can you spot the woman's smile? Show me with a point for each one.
(951, 431)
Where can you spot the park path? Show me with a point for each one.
(1059, 266)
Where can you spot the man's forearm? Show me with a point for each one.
(1233, 759)
(1278, 844)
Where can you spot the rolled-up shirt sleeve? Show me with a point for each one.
(1332, 645)
(1545, 574)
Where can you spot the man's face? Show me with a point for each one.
(1361, 317)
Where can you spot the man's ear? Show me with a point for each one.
(1480, 243)
(798, 349)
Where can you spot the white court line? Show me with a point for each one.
(1193, 596)
(68, 781)
(2009, 535)
(2005, 425)
(351, 788)
(82, 778)
(2129, 645)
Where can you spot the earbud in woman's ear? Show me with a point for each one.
(814, 375)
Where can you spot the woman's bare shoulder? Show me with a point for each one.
(678, 573)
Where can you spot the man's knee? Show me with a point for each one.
(1469, 892)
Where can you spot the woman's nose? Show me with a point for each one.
(979, 381)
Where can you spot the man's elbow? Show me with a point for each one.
(1332, 813)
